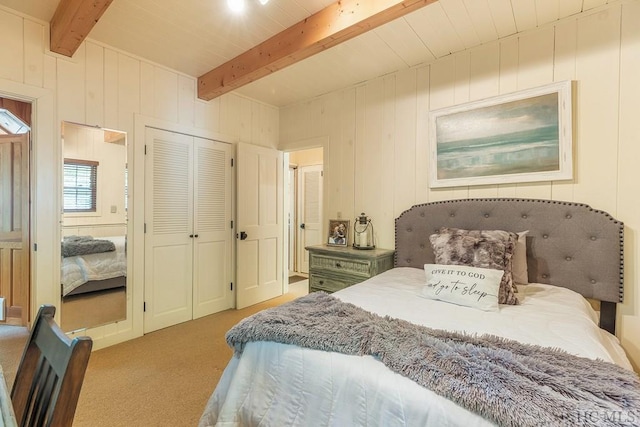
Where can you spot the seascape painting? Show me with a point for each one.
(506, 139)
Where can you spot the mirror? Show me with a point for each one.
(93, 273)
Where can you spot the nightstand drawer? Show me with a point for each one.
(334, 268)
(360, 267)
(327, 284)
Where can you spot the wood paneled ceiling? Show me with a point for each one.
(197, 36)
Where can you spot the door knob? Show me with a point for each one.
(243, 235)
(302, 225)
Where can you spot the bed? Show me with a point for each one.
(298, 374)
(91, 272)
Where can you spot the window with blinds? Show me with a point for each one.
(80, 180)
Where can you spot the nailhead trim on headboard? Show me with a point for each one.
(569, 244)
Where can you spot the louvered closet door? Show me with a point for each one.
(310, 208)
(212, 226)
(169, 224)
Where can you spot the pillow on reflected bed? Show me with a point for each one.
(463, 285)
(491, 249)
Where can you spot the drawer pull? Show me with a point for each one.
(321, 282)
(338, 265)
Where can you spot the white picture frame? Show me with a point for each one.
(525, 136)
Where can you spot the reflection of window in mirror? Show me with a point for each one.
(80, 185)
(94, 227)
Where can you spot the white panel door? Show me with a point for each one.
(310, 180)
(169, 225)
(260, 227)
(212, 228)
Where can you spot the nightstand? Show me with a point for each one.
(332, 268)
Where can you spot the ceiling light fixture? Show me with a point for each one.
(11, 123)
(238, 6)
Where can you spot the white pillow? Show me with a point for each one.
(463, 285)
(519, 270)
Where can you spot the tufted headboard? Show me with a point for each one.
(569, 244)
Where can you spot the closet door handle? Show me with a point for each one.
(191, 235)
(195, 235)
(243, 235)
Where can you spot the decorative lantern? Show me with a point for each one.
(363, 233)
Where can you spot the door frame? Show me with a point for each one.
(291, 214)
(288, 148)
(136, 217)
(43, 230)
(184, 293)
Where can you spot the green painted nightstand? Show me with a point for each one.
(332, 268)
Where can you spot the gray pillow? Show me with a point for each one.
(519, 269)
(479, 248)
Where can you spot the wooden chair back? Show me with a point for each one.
(48, 380)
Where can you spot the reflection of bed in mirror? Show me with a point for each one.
(104, 269)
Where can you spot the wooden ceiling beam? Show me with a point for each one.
(329, 27)
(72, 22)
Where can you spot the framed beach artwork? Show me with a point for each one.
(525, 136)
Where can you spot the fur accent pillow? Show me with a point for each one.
(479, 248)
(463, 285)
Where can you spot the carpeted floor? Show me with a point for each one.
(161, 379)
(12, 340)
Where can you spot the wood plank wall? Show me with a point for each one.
(376, 159)
(105, 87)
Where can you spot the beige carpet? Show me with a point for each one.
(161, 379)
(12, 340)
(93, 309)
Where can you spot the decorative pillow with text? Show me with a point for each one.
(462, 285)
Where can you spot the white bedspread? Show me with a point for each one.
(78, 270)
(281, 385)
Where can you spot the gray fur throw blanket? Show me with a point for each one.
(506, 382)
(85, 245)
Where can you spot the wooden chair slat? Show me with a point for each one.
(50, 375)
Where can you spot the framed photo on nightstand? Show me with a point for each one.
(338, 232)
